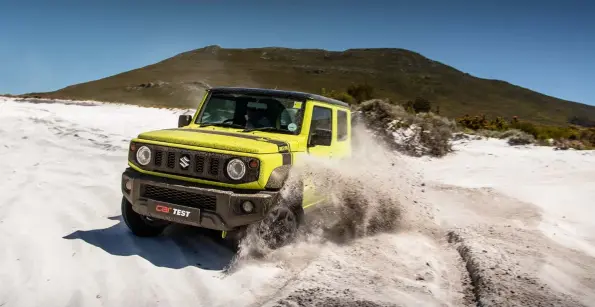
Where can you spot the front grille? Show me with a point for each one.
(158, 157)
(202, 165)
(182, 198)
(171, 159)
(214, 169)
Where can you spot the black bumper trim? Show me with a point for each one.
(226, 215)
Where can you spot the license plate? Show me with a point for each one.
(173, 212)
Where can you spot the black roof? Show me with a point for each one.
(278, 93)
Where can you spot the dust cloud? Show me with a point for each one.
(371, 192)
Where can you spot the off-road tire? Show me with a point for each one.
(271, 230)
(138, 224)
(279, 227)
(282, 222)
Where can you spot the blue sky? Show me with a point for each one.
(547, 46)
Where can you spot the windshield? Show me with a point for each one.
(252, 113)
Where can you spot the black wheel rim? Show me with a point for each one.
(278, 227)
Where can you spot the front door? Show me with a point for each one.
(322, 118)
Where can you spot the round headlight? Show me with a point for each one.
(143, 155)
(236, 169)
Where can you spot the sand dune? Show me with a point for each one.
(489, 225)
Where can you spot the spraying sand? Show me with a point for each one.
(457, 231)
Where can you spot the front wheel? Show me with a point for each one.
(279, 227)
(140, 225)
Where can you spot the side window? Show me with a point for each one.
(341, 125)
(321, 119)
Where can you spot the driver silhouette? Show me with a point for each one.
(255, 118)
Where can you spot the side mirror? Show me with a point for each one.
(321, 137)
(184, 120)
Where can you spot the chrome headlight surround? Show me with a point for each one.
(236, 169)
(143, 155)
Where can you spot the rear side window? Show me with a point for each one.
(341, 125)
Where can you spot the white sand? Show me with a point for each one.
(64, 244)
(540, 204)
(560, 183)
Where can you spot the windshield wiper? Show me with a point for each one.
(222, 125)
(267, 129)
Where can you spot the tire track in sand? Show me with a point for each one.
(505, 254)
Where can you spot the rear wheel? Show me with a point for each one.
(140, 225)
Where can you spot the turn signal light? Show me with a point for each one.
(253, 163)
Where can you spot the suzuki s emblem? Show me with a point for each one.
(185, 162)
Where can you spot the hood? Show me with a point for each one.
(218, 139)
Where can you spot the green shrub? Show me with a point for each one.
(342, 96)
(419, 134)
(539, 133)
(419, 105)
(436, 133)
(361, 92)
(527, 127)
(514, 136)
(518, 137)
(474, 123)
(356, 93)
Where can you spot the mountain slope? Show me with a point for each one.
(394, 73)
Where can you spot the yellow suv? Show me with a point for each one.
(224, 167)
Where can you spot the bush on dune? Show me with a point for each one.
(518, 137)
(414, 134)
(412, 128)
(523, 132)
(419, 105)
(482, 123)
(361, 92)
(514, 136)
(354, 94)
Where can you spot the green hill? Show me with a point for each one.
(397, 74)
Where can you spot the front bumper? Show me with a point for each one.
(217, 208)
